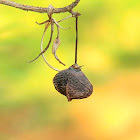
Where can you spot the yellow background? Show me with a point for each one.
(109, 49)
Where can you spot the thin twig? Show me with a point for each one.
(58, 24)
(64, 18)
(43, 22)
(76, 40)
(42, 9)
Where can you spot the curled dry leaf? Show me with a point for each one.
(56, 43)
(46, 26)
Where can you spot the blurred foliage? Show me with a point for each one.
(109, 49)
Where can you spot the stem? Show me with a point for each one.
(42, 9)
(76, 40)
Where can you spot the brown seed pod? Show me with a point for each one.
(73, 83)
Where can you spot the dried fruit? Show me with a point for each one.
(73, 83)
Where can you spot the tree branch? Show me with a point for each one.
(41, 9)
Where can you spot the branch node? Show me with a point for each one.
(50, 11)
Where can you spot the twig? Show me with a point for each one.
(76, 40)
(43, 22)
(64, 18)
(58, 24)
(42, 9)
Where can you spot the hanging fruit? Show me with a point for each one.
(73, 83)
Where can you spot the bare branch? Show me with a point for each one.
(41, 9)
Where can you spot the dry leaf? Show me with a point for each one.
(56, 43)
(46, 26)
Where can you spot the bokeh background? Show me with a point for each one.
(109, 49)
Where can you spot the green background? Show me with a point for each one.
(109, 49)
